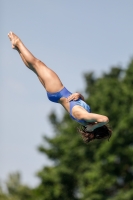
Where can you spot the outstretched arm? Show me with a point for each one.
(93, 120)
(100, 120)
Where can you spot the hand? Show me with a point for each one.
(75, 96)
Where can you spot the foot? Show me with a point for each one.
(14, 39)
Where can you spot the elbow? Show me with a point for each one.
(104, 119)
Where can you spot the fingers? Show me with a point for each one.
(73, 97)
(9, 34)
(70, 98)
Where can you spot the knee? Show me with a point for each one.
(36, 63)
(33, 64)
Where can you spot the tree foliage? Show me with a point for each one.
(101, 170)
(15, 189)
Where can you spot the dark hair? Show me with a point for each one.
(103, 132)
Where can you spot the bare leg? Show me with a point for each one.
(48, 77)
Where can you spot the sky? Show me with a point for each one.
(71, 37)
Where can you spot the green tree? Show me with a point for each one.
(101, 170)
(111, 174)
(15, 189)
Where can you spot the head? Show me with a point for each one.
(103, 132)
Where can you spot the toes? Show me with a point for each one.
(10, 33)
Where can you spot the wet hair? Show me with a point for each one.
(103, 132)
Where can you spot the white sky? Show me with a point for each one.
(71, 37)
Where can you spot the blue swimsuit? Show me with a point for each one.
(54, 97)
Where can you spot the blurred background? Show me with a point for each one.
(74, 38)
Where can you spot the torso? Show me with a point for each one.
(75, 110)
(63, 101)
